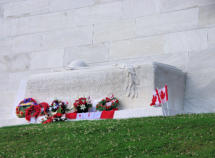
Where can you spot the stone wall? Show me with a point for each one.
(44, 35)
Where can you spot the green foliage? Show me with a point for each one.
(102, 105)
(168, 137)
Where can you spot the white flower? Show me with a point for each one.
(108, 103)
(83, 107)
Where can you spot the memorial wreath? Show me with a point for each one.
(82, 104)
(107, 104)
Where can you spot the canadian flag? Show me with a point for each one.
(91, 115)
(160, 96)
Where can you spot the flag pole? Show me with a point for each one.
(167, 100)
(160, 101)
(167, 106)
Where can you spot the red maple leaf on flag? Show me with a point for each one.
(154, 99)
(162, 95)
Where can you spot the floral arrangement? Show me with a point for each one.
(82, 104)
(32, 111)
(56, 112)
(107, 104)
(23, 105)
(58, 106)
(36, 111)
(59, 111)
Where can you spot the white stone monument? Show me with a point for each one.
(133, 85)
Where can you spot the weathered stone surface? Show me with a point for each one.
(200, 84)
(35, 7)
(3, 64)
(59, 5)
(87, 53)
(22, 44)
(48, 40)
(139, 112)
(23, 8)
(8, 1)
(7, 101)
(6, 46)
(138, 8)
(35, 24)
(101, 13)
(134, 85)
(123, 29)
(13, 63)
(167, 22)
(47, 59)
(211, 38)
(175, 79)
(4, 76)
(207, 15)
(195, 40)
(171, 5)
(137, 47)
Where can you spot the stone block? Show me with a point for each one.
(48, 40)
(101, 13)
(134, 85)
(6, 46)
(194, 40)
(139, 112)
(7, 104)
(207, 15)
(39, 23)
(3, 64)
(200, 85)
(47, 59)
(178, 60)
(167, 22)
(59, 5)
(172, 5)
(35, 7)
(7, 27)
(68, 37)
(8, 1)
(26, 43)
(24, 8)
(137, 47)
(114, 31)
(89, 54)
(211, 37)
(15, 78)
(4, 81)
(138, 8)
(17, 62)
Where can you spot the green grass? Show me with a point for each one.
(178, 136)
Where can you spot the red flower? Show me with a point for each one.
(33, 110)
(108, 99)
(49, 120)
(57, 115)
(45, 106)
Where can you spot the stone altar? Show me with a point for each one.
(132, 84)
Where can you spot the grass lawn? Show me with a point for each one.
(177, 136)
